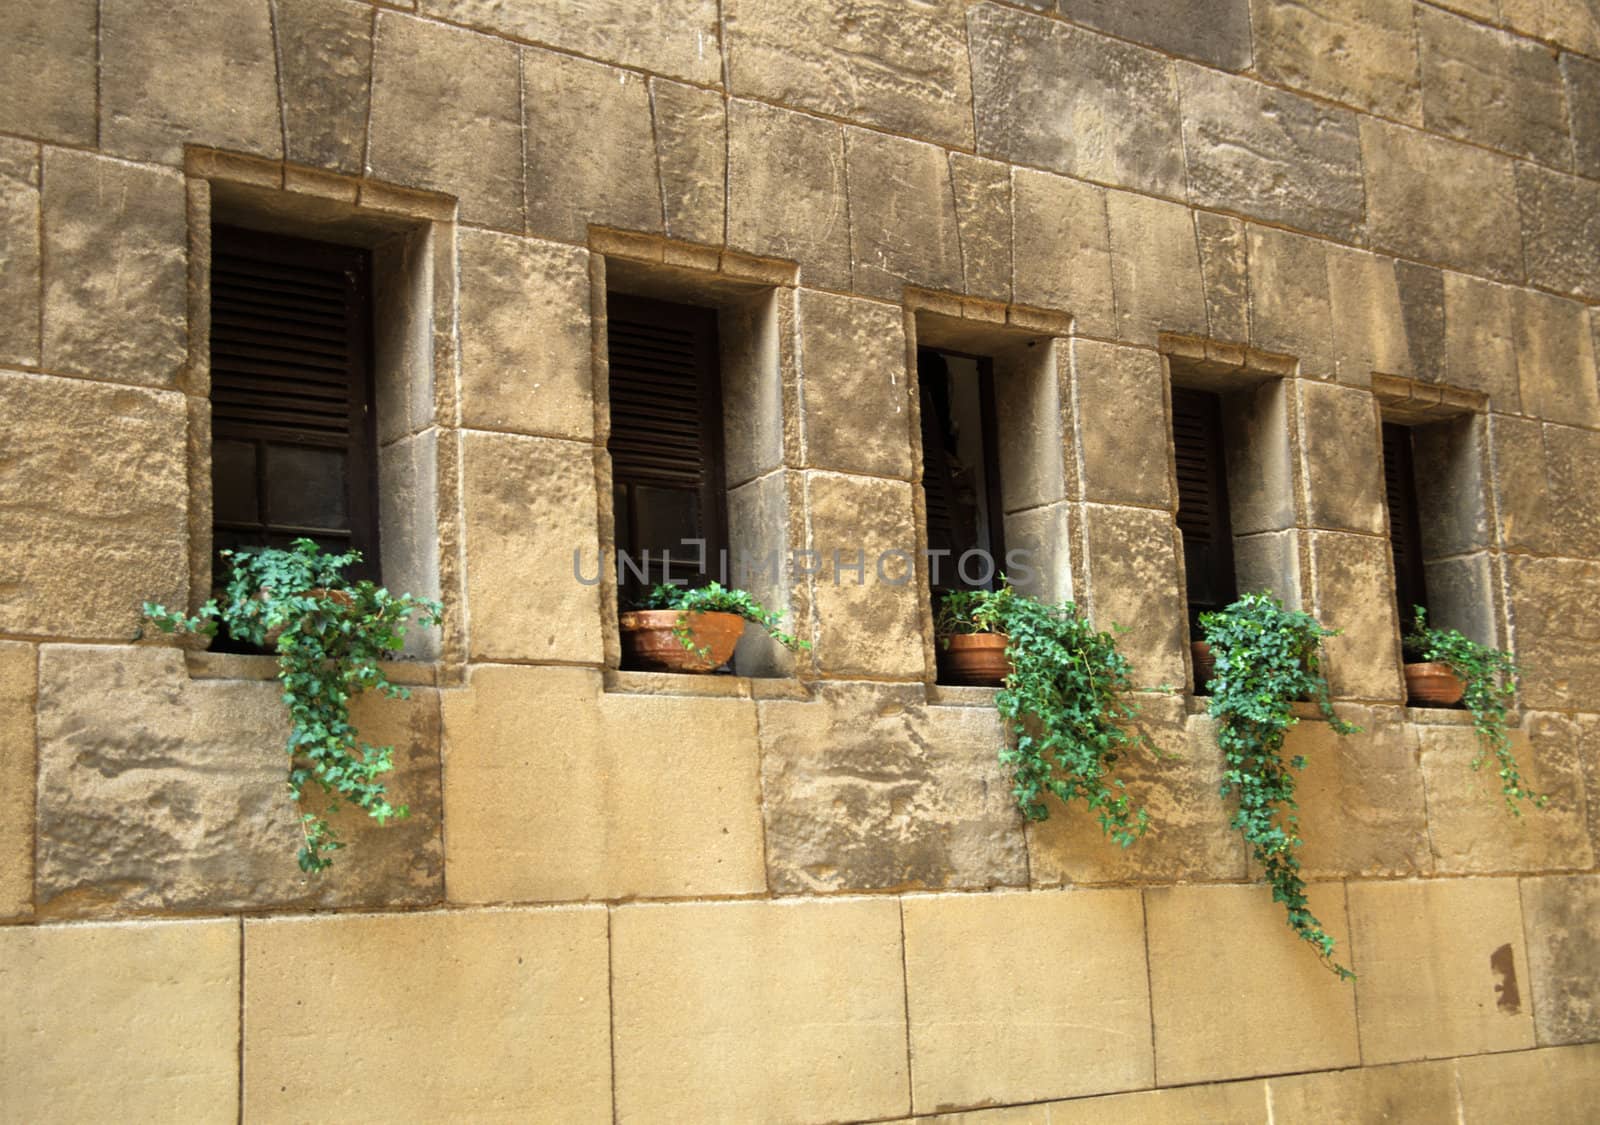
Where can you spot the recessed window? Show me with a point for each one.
(1405, 524)
(1203, 519)
(960, 471)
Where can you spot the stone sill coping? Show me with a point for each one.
(705, 686)
(244, 666)
(960, 695)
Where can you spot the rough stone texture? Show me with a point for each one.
(1449, 456)
(1257, 426)
(1221, 957)
(537, 819)
(1155, 268)
(1562, 918)
(590, 148)
(1121, 401)
(120, 1023)
(1414, 1093)
(1033, 394)
(1059, 97)
(1422, 312)
(853, 378)
(1480, 348)
(1555, 607)
(19, 252)
(1560, 230)
(114, 530)
(1441, 201)
(1353, 591)
(1581, 77)
(115, 284)
(865, 787)
(529, 505)
(1571, 23)
(1236, 1103)
(325, 66)
(996, 1020)
(1370, 323)
(1573, 470)
(1062, 255)
(48, 74)
(1555, 359)
(1361, 52)
(1522, 500)
(1224, 262)
(1290, 309)
(526, 362)
(982, 191)
(691, 143)
(1133, 582)
(1343, 459)
(445, 117)
(786, 190)
(17, 694)
(1215, 33)
(902, 215)
(1270, 154)
(1441, 968)
(1560, 1085)
(704, 1028)
(158, 792)
(673, 37)
(508, 1008)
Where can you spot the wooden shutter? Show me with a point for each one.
(954, 509)
(1202, 501)
(1405, 525)
(666, 437)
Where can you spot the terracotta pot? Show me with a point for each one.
(339, 598)
(649, 640)
(1205, 665)
(975, 658)
(1433, 685)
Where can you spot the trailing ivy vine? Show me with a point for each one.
(1267, 658)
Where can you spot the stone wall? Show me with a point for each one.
(808, 895)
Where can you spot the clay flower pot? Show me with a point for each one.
(1433, 685)
(649, 639)
(1205, 665)
(975, 658)
(340, 598)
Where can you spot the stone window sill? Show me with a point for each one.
(703, 686)
(242, 666)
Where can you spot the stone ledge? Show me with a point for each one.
(624, 682)
(253, 666)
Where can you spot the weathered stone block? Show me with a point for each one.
(1555, 359)
(902, 216)
(115, 244)
(536, 820)
(1062, 255)
(115, 530)
(1056, 96)
(1560, 1085)
(1562, 919)
(1132, 568)
(325, 63)
(1581, 77)
(1522, 500)
(1352, 582)
(1361, 52)
(530, 512)
(1445, 202)
(1237, 1103)
(1155, 268)
(1042, 540)
(179, 74)
(1416, 1093)
(1422, 312)
(446, 116)
(982, 191)
(526, 362)
(856, 390)
(1370, 327)
(995, 1020)
(1453, 503)
(1223, 957)
(867, 788)
(508, 1007)
(1270, 561)
(1290, 307)
(1560, 230)
(18, 663)
(1480, 345)
(1215, 33)
(48, 77)
(704, 1028)
(691, 143)
(1224, 263)
(1438, 967)
(1571, 23)
(20, 282)
(1573, 471)
(90, 1005)
(1557, 617)
(1033, 395)
(877, 62)
(1270, 154)
(1343, 458)
(1122, 444)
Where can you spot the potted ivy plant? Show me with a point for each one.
(695, 628)
(329, 635)
(1065, 703)
(971, 643)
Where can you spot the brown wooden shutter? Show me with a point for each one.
(953, 508)
(1405, 526)
(1202, 501)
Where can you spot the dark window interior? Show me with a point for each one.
(960, 468)
(1405, 528)
(1203, 502)
(666, 441)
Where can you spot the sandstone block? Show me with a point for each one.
(17, 697)
(1560, 231)
(325, 60)
(1439, 966)
(1581, 78)
(47, 78)
(1557, 617)
(1223, 262)
(983, 222)
(1218, 34)
(1155, 268)
(704, 1028)
(1343, 458)
(1290, 307)
(1270, 561)
(1451, 456)
(1033, 395)
(865, 787)
(1359, 52)
(902, 216)
(1557, 1085)
(1555, 359)
(1573, 471)
(1522, 500)
(1571, 23)
(1043, 540)
(1416, 1093)
(1062, 256)
(1056, 96)
(691, 144)
(445, 117)
(1133, 582)
(1370, 324)
(1562, 919)
(1353, 591)
(1236, 1103)
(856, 389)
(1270, 154)
(1422, 311)
(1122, 444)
(533, 819)
(89, 1004)
(1480, 345)
(19, 252)
(115, 244)
(1222, 956)
(508, 1008)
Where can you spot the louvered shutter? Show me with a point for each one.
(666, 438)
(1202, 500)
(1405, 530)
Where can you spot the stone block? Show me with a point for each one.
(982, 191)
(1560, 231)
(1132, 567)
(536, 819)
(48, 77)
(18, 664)
(1155, 268)
(530, 512)
(1481, 84)
(526, 349)
(1360, 52)
(1343, 458)
(508, 1008)
(20, 282)
(691, 143)
(865, 787)
(1572, 467)
(1439, 964)
(1123, 445)
(1451, 464)
(1581, 78)
(1223, 957)
(1369, 322)
(1480, 342)
(1444, 202)
(325, 66)
(876, 62)
(1271, 154)
(1270, 561)
(1557, 619)
(1415, 1093)
(1033, 396)
(704, 1028)
(855, 385)
(1214, 33)
(111, 462)
(1039, 550)
(994, 1020)
(121, 1022)
(1290, 306)
(1573, 24)
(591, 150)
(1555, 359)
(1562, 918)
(1229, 1103)
(1062, 254)
(1055, 96)
(1522, 501)
(1558, 1085)
(1224, 264)
(902, 216)
(115, 244)
(446, 117)
(1352, 582)
(1422, 313)
(786, 190)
